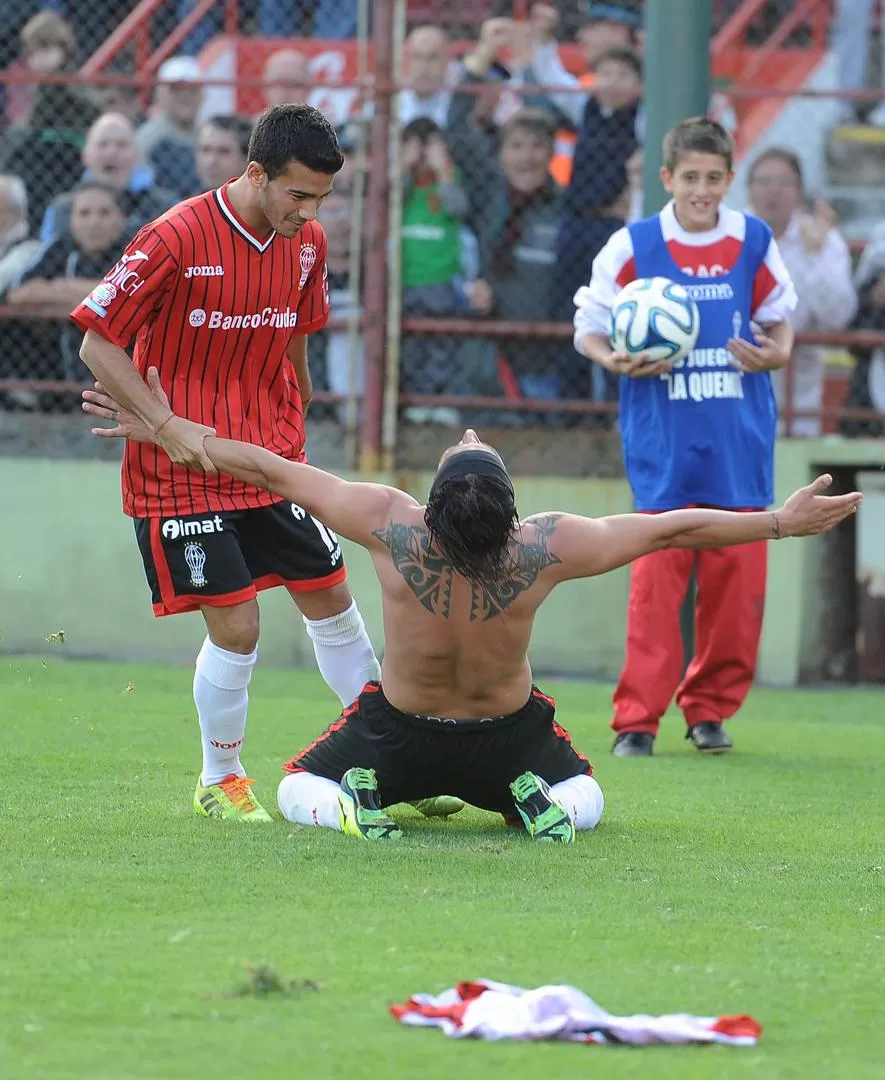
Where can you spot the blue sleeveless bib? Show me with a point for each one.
(704, 433)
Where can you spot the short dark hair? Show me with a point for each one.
(620, 54)
(287, 133)
(534, 120)
(698, 135)
(785, 157)
(422, 127)
(99, 185)
(238, 126)
(471, 520)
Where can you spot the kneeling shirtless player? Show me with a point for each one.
(462, 578)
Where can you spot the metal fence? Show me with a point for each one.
(470, 208)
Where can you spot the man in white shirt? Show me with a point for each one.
(820, 265)
(428, 59)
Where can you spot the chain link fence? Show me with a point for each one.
(515, 138)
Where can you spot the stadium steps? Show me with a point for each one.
(855, 177)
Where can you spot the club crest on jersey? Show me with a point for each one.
(307, 258)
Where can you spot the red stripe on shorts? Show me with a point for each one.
(292, 765)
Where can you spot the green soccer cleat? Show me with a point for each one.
(543, 817)
(359, 810)
(439, 806)
(230, 798)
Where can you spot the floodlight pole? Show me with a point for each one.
(676, 78)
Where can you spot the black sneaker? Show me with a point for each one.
(634, 744)
(710, 737)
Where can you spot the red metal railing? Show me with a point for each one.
(137, 28)
(733, 32)
(136, 24)
(200, 9)
(492, 328)
(814, 11)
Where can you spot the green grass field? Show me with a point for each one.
(750, 883)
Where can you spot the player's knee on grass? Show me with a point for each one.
(582, 799)
(307, 799)
(234, 628)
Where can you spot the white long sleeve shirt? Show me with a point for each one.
(704, 255)
(827, 300)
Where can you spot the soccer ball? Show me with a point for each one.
(657, 317)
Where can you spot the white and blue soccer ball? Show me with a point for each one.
(657, 317)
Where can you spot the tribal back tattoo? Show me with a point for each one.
(429, 576)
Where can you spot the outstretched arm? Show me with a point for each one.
(586, 546)
(352, 509)
(355, 510)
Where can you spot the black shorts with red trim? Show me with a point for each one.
(417, 757)
(226, 557)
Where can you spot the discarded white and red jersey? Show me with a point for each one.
(483, 1009)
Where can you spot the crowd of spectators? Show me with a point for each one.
(507, 195)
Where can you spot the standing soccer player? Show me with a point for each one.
(701, 434)
(220, 294)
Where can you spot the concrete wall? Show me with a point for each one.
(68, 561)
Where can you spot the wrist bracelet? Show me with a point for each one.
(777, 526)
(171, 416)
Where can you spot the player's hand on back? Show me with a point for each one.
(808, 511)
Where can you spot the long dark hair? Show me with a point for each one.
(471, 519)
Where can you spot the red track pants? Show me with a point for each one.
(728, 624)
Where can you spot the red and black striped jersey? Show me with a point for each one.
(214, 308)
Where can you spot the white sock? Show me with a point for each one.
(222, 699)
(344, 653)
(582, 799)
(307, 799)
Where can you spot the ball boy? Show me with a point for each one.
(700, 433)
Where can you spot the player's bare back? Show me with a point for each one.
(451, 648)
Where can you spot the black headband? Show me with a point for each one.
(465, 462)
